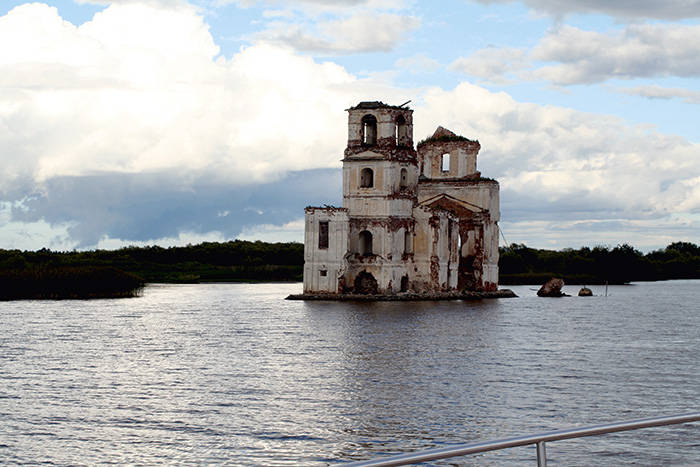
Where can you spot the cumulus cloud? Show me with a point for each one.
(624, 9)
(556, 164)
(112, 132)
(117, 94)
(135, 110)
(653, 91)
(492, 64)
(640, 50)
(361, 32)
(568, 55)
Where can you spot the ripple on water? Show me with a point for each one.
(232, 373)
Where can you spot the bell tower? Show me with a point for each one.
(380, 176)
(380, 164)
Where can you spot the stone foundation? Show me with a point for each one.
(406, 297)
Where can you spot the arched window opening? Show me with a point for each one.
(407, 242)
(401, 131)
(366, 178)
(369, 130)
(365, 243)
(445, 162)
(404, 178)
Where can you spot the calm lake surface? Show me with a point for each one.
(234, 374)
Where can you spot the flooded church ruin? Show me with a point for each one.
(417, 220)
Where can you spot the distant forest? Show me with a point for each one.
(245, 261)
(235, 261)
(519, 264)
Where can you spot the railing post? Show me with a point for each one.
(538, 439)
(541, 454)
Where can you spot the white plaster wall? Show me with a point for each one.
(466, 162)
(330, 259)
(375, 201)
(394, 176)
(397, 242)
(387, 174)
(377, 239)
(490, 273)
(378, 207)
(462, 160)
(454, 275)
(490, 265)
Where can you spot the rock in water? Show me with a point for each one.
(551, 288)
(585, 292)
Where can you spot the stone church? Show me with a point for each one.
(418, 220)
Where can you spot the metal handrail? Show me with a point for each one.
(539, 439)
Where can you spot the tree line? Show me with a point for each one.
(232, 261)
(519, 264)
(247, 261)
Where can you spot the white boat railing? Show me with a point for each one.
(538, 439)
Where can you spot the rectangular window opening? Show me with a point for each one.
(323, 235)
(323, 273)
(445, 162)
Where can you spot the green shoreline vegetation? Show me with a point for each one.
(520, 265)
(121, 273)
(59, 283)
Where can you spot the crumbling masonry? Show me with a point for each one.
(413, 220)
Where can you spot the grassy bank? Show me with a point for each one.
(67, 283)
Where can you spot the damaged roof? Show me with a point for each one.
(444, 135)
(378, 105)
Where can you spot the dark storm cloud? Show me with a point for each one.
(143, 207)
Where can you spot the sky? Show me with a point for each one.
(169, 122)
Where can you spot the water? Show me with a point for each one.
(233, 374)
